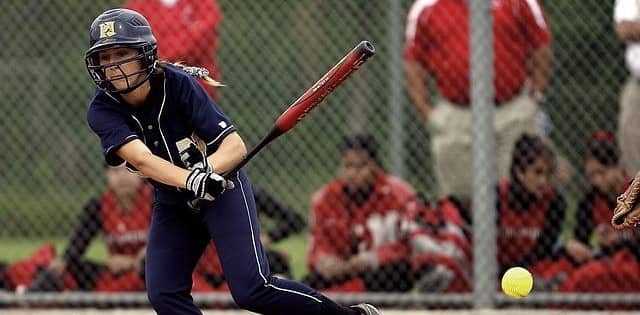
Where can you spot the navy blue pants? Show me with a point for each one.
(178, 237)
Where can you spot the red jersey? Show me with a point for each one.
(126, 231)
(525, 235)
(437, 36)
(341, 227)
(186, 31)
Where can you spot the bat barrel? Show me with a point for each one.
(350, 63)
(297, 111)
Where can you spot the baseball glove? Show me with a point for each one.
(627, 211)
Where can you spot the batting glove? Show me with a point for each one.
(191, 155)
(207, 185)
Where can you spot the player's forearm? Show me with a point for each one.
(418, 88)
(141, 253)
(85, 231)
(540, 69)
(230, 153)
(628, 31)
(331, 267)
(160, 170)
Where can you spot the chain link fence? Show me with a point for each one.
(269, 52)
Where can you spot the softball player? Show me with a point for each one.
(147, 112)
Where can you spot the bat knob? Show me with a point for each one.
(367, 45)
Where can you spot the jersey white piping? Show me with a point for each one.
(414, 16)
(255, 249)
(144, 138)
(220, 135)
(537, 13)
(164, 97)
(110, 148)
(111, 96)
(125, 139)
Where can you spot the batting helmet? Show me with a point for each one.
(117, 28)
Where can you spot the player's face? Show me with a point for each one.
(536, 177)
(606, 179)
(122, 182)
(357, 171)
(125, 69)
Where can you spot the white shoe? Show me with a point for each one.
(366, 309)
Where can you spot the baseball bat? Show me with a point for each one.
(311, 98)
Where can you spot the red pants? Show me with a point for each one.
(128, 281)
(549, 269)
(618, 273)
(22, 272)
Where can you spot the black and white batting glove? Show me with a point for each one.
(206, 184)
(190, 155)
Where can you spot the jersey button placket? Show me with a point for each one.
(156, 143)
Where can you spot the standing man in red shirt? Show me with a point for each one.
(186, 30)
(437, 46)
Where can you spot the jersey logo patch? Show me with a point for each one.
(107, 29)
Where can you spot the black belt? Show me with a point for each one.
(496, 102)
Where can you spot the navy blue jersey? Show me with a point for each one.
(177, 107)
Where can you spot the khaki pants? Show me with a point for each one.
(451, 140)
(629, 125)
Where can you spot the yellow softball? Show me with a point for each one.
(517, 282)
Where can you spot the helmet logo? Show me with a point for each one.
(107, 29)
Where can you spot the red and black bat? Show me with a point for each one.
(312, 97)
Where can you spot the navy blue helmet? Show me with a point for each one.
(118, 28)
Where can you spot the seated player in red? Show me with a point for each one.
(530, 210)
(122, 215)
(355, 241)
(611, 264)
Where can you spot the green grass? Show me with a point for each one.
(14, 249)
(296, 248)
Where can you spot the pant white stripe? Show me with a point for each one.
(255, 249)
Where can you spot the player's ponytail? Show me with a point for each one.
(198, 72)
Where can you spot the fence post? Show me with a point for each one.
(396, 96)
(484, 169)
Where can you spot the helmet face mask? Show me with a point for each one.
(99, 76)
(121, 28)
